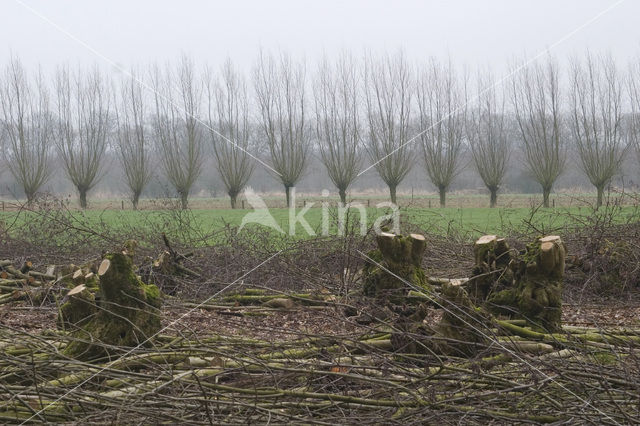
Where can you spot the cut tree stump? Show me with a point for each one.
(77, 309)
(396, 260)
(491, 273)
(537, 292)
(458, 333)
(128, 313)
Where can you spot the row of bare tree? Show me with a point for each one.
(379, 106)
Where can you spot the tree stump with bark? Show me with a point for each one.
(492, 272)
(458, 333)
(537, 292)
(127, 315)
(395, 263)
(77, 309)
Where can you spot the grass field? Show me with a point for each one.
(470, 222)
(422, 200)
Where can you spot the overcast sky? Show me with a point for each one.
(489, 32)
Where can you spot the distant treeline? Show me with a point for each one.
(351, 123)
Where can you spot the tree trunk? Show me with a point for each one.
(343, 195)
(184, 200)
(493, 197)
(287, 191)
(392, 193)
(83, 197)
(443, 194)
(30, 197)
(600, 189)
(545, 196)
(135, 199)
(234, 199)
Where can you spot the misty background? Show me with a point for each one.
(473, 35)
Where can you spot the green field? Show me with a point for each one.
(467, 222)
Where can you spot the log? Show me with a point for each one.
(42, 275)
(280, 303)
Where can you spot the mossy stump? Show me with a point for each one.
(458, 333)
(77, 309)
(128, 313)
(396, 260)
(491, 273)
(537, 293)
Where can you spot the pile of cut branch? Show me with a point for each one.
(576, 375)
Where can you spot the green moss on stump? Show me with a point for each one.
(397, 258)
(492, 272)
(128, 314)
(78, 309)
(458, 333)
(536, 295)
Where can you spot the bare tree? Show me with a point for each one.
(82, 126)
(487, 133)
(535, 96)
(132, 141)
(177, 127)
(280, 93)
(389, 88)
(27, 124)
(338, 126)
(441, 116)
(229, 128)
(633, 122)
(596, 119)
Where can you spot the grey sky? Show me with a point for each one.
(470, 32)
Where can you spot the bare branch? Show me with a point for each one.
(535, 96)
(633, 123)
(280, 92)
(229, 115)
(338, 126)
(442, 114)
(176, 125)
(488, 136)
(388, 96)
(131, 137)
(82, 127)
(27, 127)
(596, 119)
